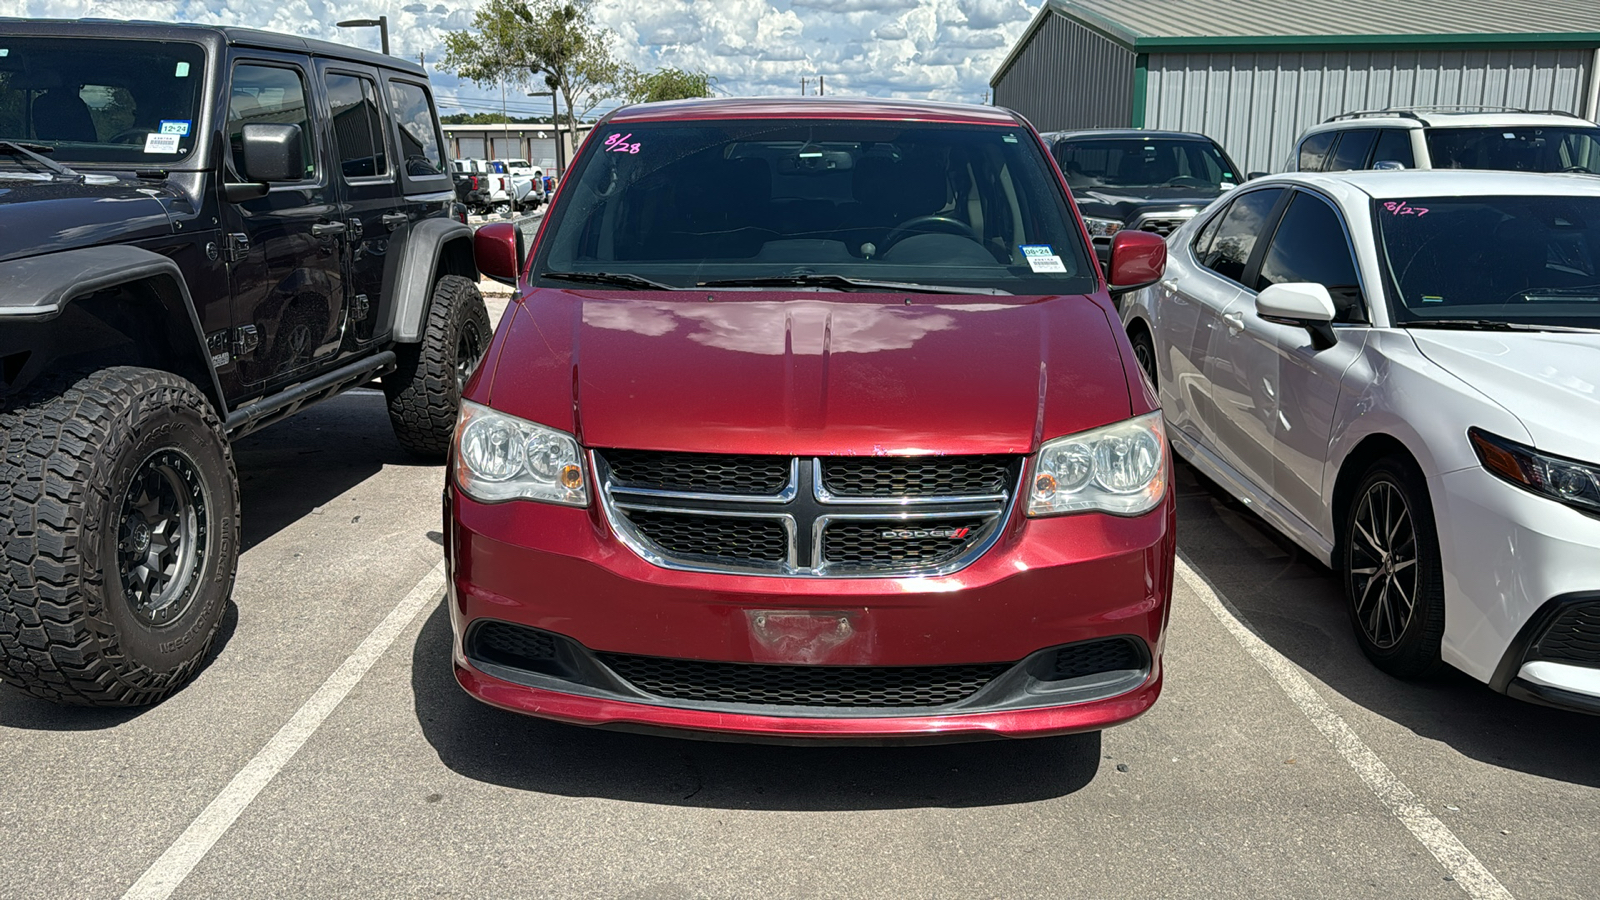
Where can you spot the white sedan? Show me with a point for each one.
(1401, 372)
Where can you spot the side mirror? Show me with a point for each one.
(273, 153)
(1138, 258)
(1388, 165)
(1252, 176)
(1304, 304)
(494, 246)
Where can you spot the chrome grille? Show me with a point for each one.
(827, 516)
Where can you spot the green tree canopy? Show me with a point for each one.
(664, 84)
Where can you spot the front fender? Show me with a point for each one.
(430, 247)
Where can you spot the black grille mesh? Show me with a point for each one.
(512, 645)
(700, 473)
(740, 540)
(848, 686)
(1573, 637)
(1096, 657)
(915, 476)
(892, 544)
(1162, 227)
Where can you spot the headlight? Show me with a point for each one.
(1101, 228)
(1566, 481)
(1119, 469)
(501, 457)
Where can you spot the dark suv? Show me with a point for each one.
(202, 231)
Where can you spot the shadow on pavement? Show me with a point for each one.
(521, 752)
(1297, 605)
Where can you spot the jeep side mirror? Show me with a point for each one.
(1137, 260)
(494, 246)
(273, 153)
(1305, 304)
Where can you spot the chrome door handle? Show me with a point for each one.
(1235, 322)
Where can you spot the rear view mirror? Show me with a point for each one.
(273, 153)
(494, 246)
(1304, 304)
(1137, 260)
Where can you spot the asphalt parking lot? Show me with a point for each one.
(326, 751)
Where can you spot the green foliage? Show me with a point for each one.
(483, 118)
(665, 84)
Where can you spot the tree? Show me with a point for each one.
(553, 44)
(664, 84)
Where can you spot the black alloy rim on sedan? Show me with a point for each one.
(1383, 564)
(1145, 357)
(161, 539)
(469, 350)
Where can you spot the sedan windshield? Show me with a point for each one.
(1486, 260)
(1516, 149)
(1145, 163)
(89, 100)
(827, 205)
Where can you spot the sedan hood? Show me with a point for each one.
(1548, 380)
(793, 373)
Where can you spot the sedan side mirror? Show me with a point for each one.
(1304, 304)
(1252, 176)
(494, 246)
(1138, 258)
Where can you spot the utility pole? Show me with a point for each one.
(422, 59)
(820, 86)
(803, 81)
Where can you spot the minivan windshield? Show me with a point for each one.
(1145, 163)
(1516, 148)
(816, 203)
(1484, 260)
(97, 100)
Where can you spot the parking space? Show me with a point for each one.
(410, 788)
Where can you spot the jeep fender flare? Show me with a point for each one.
(433, 247)
(39, 288)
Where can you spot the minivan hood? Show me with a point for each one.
(810, 373)
(1548, 380)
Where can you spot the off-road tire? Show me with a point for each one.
(1414, 651)
(424, 390)
(69, 630)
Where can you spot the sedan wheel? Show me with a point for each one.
(1391, 570)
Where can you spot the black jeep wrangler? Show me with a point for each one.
(202, 231)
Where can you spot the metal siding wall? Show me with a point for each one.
(1069, 77)
(1256, 104)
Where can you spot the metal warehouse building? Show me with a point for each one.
(1254, 73)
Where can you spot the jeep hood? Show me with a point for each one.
(39, 217)
(1549, 380)
(802, 373)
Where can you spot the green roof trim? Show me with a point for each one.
(1250, 42)
(1141, 84)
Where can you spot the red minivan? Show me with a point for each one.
(812, 420)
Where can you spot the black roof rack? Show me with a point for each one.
(1372, 113)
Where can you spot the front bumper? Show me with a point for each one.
(1046, 583)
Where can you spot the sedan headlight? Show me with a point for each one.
(1568, 481)
(1119, 469)
(1102, 228)
(501, 457)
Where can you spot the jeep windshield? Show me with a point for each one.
(817, 205)
(1516, 148)
(95, 100)
(1482, 262)
(1142, 163)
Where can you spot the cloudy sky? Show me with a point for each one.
(941, 49)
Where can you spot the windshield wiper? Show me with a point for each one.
(619, 279)
(1491, 325)
(31, 152)
(843, 282)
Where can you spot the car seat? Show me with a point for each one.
(60, 114)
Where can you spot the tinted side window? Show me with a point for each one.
(1238, 231)
(1394, 145)
(1310, 246)
(419, 140)
(1208, 233)
(1352, 151)
(1314, 151)
(357, 129)
(268, 95)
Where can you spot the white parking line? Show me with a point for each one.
(1458, 861)
(165, 874)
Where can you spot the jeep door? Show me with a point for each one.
(285, 249)
(369, 192)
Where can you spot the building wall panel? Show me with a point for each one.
(1069, 77)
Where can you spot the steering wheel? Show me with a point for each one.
(1188, 181)
(947, 224)
(128, 136)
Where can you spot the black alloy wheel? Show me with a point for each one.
(1392, 575)
(1144, 353)
(161, 541)
(469, 352)
(1383, 564)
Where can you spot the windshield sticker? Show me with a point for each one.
(175, 126)
(183, 71)
(1041, 258)
(1010, 138)
(161, 143)
(1402, 208)
(1429, 298)
(618, 143)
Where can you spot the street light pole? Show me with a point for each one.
(555, 128)
(381, 23)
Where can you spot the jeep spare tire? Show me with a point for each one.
(119, 536)
(425, 388)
